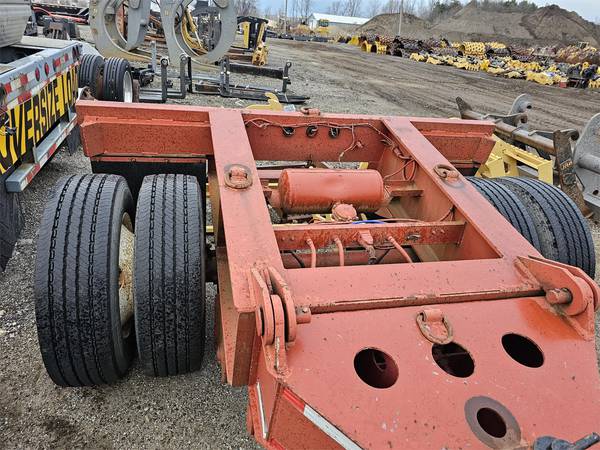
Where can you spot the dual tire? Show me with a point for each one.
(108, 80)
(545, 216)
(109, 274)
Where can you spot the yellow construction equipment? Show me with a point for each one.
(354, 41)
(254, 35)
(380, 48)
(472, 49)
(272, 104)
(594, 84)
(259, 57)
(433, 60)
(504, 160)
(322, 28)
(540, 78)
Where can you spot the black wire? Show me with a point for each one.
(297, 258)
(378, 260)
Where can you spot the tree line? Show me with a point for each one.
(426, 9)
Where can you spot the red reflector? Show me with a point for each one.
(46, 69)
(37, 74)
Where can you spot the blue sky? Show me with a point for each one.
(587, 8)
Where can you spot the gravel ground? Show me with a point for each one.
(196, 410)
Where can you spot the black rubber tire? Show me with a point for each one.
(510, 206)
(91, 72)
(563, 232)
(115, 71)
(77, 282)
(11, 222)
(169, 275)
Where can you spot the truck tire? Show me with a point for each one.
(117, 82)
(508, 204)
(79, 281)
(564, 233)
(11, 222)
(169, 275)
(91, 72)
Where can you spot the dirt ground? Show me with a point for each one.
(196, 410)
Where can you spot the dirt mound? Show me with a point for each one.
(549, 25)
(553, 23)
(476, 23)
(387, 24)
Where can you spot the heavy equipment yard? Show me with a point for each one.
(197, 409)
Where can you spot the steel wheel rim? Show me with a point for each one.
(127, 88)
(126, 258)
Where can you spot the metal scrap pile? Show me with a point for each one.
(572, 66)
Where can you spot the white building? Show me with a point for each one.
(344, 22)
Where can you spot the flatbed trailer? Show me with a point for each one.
(390, 306)
(38, 89)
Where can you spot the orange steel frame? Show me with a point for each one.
(291, 334)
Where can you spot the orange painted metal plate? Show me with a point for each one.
(425, 407)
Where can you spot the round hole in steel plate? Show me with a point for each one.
(523, 350)
(376, 368)
(492, 423)
(453, 359)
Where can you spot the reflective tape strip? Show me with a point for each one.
(329, 429)
(320, 422)
(26, 78)
(263, 422)
(12, 86)
(16, 84)
(24, 97)
(31, 78)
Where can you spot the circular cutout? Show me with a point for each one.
(523, 350)
(453, 359)
(491, 422)
(376, 368)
